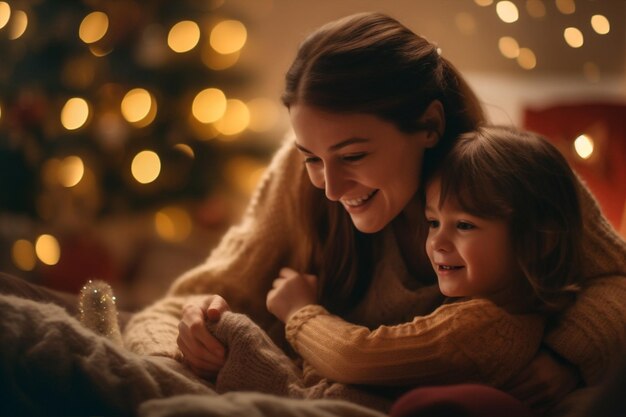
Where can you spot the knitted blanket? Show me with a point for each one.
(51, 365)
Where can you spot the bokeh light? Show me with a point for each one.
(139, 107)
(5, 13)
(484, 3)
(507, 11)
(71, 171)
(509, 47)
(236, 118)
(23, 255)
(264, 114)
(228, 36)
(600, 24)
(19, 23)
(93, 27)
(186, 149)
(217, 61)
(209, 105)
(584, 146)
(75, 113)
(173, 224)
(466, 23)
(535, 8)
(47, 249)
(566, 6)
(591, 71)
(573, 37)
(146, 167)
(183, 36)
(527, 59)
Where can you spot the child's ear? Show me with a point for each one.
(434, 121)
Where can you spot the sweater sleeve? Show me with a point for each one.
(242, 266)
(460, 342)
(592, 333)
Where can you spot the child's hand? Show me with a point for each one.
(291, 292)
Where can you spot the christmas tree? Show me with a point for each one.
(109, 108)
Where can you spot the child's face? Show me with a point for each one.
(472, 256)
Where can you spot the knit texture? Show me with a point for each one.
(470, 341)
(242, 267)
(255, 363)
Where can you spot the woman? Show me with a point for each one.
(374, 108)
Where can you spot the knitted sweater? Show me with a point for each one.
(469, 341)
(590, 334)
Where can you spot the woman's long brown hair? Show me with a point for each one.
(369, 63)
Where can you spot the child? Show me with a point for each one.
(504, 239)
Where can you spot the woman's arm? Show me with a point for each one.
(592, 333)
(241, 268)
(461, 342)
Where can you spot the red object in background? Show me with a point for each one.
(82, 258)
(605, 171)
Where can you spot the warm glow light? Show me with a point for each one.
(264, 114)
(18, 25)
(209, 105)
(507, 11)
(183, 36)
(566, 6)
(508, 47)
(5, 13)
(23, 255)
(173, 224)
(591, 71)
(535, 8)
(583, 145)
(93, 27)
(75, 113)
(465, 22)
(573, 37)
(244, 173)
(146, 167)
(217, 61)
(47, 249)
(98, 51)
(526, 59)
(186, 149)
(235, 119)
(600, 24)
(139, 107)
(228, 36)
(483, 3)
(71, 171)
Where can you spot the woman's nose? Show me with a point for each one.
(334, 182)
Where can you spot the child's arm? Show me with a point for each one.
(473, 341)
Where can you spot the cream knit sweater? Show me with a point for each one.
(591, 334)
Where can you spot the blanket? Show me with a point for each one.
(52, 365)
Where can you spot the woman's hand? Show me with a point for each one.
(291, 291)
(203, 353)
(545, 381)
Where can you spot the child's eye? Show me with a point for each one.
(433, 224)
(465, 226)
(354, 157)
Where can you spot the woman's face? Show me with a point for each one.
(361, 161)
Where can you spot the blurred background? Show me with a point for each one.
(133, 132)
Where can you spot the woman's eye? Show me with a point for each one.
(354, 157)
(311, 159)
(465, 226)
